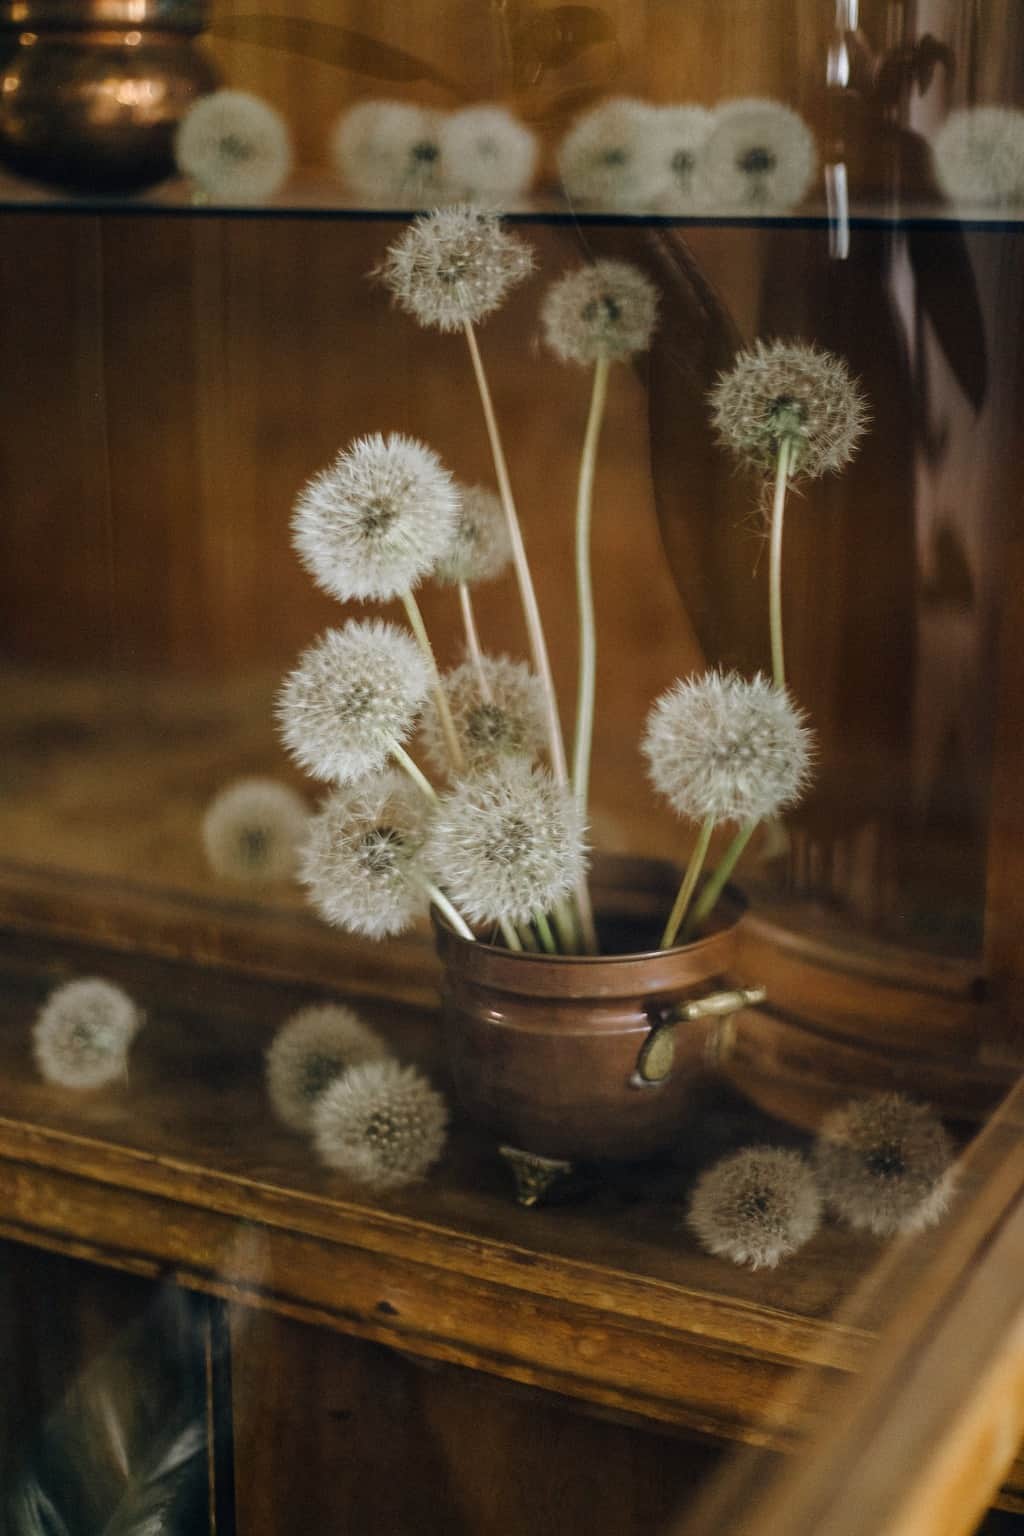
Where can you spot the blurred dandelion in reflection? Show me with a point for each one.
(885, 1164)
(979, 155)
(311, 1050)
(83, 1032)
(603, 160)
(671, 156)
(759, 156)
(389, 151)
(252, 829)
(235, 147)
(756, 1206)
(486, 152)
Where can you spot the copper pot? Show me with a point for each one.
(91, 91)
(586, 1058)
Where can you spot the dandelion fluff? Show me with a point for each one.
(671, 155)
(352, 697)
(389, 151)
(603, 161)
(481, 548)
(82, 1033)
(885, 1164)
(979, 155)
(759, 156)
(381, 1124)
(789, 390)
(486, 152)
(454, 267)
(234, 146)
(756, 1206)
(606, 309)
(378, 520)
(360, 860)
(252, 829)
(723, 748)
(506, 844)
(310, 1050)
(510, 724)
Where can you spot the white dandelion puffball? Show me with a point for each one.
(506, 844)
(723, 747)
(671, 156)
(759, 156)
(512, 723)
(605, 309)
(885, 1164)
(252, 829)
(378, 520)
(381, 1124)
(756, 1206)
(978, 155)
(82, 1033)
(360, 862)
(789, 390)
(487, 153)
(602, 159)
(310, 1050)
(235, 147)
(481, 548)
(352, 697)
(389, 151)
(455, 266)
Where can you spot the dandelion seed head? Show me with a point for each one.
(486, 153)
(481, 548)
(788, 390)
(381, 1124)
(455, 266)
(360, 861)
(506, 843)
(979, 155)
(603, 161)
(885, 1164)
(606, 309)
(252, 829)
(82, 1033)
(234, 146)
(759, 155)
(378, 520)
(671, 156)
(352, 697)
(310, 1050)
(728, 748)
(390, 151)
(511, 724)
(755, 1206)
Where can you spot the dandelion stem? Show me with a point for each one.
(419, 778)
(473, 643)
(509, 934)
(419, 629)
(686, 889)
(445, 907)
(775, 571)
(528, 937)
(716, 884)
(531, 612)
(585, 590)
(547, 938)
(566, 926)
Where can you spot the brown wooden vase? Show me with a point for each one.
(586, 1058)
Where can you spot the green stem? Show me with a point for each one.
(715, 886)
(419, 629)
(566, 927)
(418, 777)
(775, 566)
(473, 643)
(444, 906)
(547, 938)
(528, 937)
(531, 610)
(587, 676)
(686, 889)
(509, 934)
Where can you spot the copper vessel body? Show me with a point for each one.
(91, 93)
(546, 1051)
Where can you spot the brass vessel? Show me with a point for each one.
(91, 91)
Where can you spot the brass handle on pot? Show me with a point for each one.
(657, 1054)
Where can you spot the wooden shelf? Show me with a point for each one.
(183, 1173)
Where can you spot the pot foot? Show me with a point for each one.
(534, 1175)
